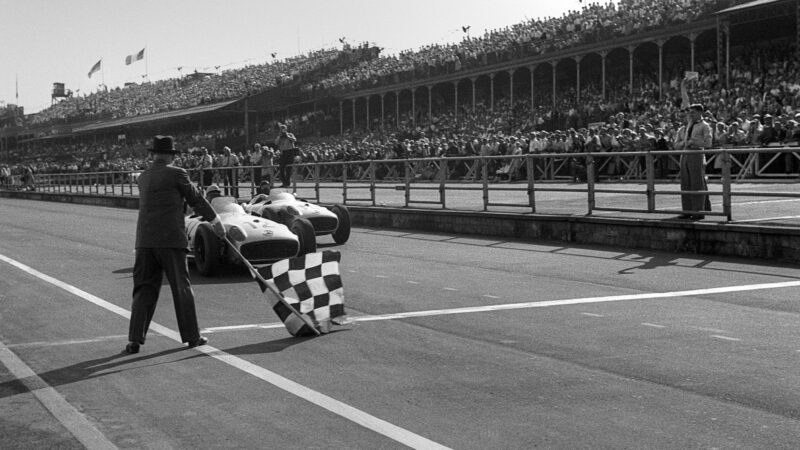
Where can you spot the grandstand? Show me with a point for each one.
(547, 82)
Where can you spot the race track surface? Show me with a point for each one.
(459, 341)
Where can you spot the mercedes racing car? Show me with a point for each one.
(260, 241)
(284, 207)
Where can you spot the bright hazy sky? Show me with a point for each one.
(47, 41)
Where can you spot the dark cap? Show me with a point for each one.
(697, 107)
(163, 144)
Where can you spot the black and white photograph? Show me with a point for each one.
(443, 224)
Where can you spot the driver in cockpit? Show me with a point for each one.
(262, 193)
(212, 192)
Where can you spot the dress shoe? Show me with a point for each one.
(132, 348)
(202, 340)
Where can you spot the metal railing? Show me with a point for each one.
(522, 178)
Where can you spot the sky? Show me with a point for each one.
(48, 41)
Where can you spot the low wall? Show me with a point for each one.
(749, 241)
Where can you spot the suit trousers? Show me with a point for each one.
(148, 270)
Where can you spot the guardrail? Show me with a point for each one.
(524, 176)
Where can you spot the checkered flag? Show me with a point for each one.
(311, 285)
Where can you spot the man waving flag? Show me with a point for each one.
(135, 57)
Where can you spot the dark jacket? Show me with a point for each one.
(162, 191)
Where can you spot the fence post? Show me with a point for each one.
(529, 169)
(344, 182)
(316, 181)
(408, 183)
(726, 184)
(590, 173)
(372, 181)
(485, 180)
(442, 180)
(651, 181)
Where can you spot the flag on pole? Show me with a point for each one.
(95, 67)
(135, 57)
(312, 285)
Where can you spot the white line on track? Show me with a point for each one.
(549, 303)
(68, 342)
(725, 338)
(654, 325)
(59, 407)
(765, 219)
(412, 282)
(490, 296)
(592, 314)
(344, 410)
(450, 289)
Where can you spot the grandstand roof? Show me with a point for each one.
(748, 5)
(125, 121)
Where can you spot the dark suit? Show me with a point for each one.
(161, 248)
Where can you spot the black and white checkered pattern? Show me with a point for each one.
(311, 284)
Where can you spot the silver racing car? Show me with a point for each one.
(285, 208)
(259, 240)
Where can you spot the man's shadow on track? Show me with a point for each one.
(83, 370)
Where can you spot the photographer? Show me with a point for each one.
(286, 143)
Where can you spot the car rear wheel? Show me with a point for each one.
(206, 250)
(305, 233)
(342, 233)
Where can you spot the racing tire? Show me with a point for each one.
(206, 250)
(305, 233)
(342, 232)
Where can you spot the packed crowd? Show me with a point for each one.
(592, 23)
(199, 88)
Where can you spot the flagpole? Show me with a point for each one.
(102, 73)
(146, 63)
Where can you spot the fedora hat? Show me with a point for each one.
(163, 144)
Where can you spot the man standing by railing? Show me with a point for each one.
(230, 162)
(693, 138)
(286, 143)
(255, 161)
(205, 164)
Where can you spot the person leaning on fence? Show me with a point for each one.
(286, 143)
(694, 137)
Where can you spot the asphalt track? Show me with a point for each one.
(459, 341)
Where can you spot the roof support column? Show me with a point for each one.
(397, 108)
(660, 43)
(354, 114)
(630, 48)
(367, 113)
(511, 87)
(491, 92)
(692, 37)
(473, 93)
(414, 106)
(341, 118)
(383, 95)
(554, 64)
(430, 106)
(577, 77)
(455, 103)
(532, 69)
